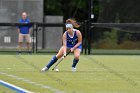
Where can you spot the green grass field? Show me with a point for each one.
(95, 74)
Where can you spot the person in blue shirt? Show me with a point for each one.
(24, 33)
(72, 41)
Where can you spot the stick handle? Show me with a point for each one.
(67, 53)
(61, 60)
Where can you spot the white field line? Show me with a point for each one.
(33, 83)
(13, 87)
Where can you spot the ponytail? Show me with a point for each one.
(73, 22)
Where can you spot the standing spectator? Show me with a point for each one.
(24, 33)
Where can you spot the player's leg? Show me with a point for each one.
(54, 59)
(76, 58)
(28, 41)
(20, 41)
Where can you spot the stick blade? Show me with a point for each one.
(52, 68)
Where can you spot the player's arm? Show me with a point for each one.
(64, 44)
(79, 39)
(18, 30)
(30, 30)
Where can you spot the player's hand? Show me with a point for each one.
(64, 55)
(72, 49)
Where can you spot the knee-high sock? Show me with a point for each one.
(54, 59)
(75, 61)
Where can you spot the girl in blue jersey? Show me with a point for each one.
(72, 41)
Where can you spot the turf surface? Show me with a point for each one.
(95, 74)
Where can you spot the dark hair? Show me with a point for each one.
(73, 22)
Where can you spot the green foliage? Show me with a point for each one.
(110, 37)
(109, 40)
(68, 9)
(127, 10)
(52, 7)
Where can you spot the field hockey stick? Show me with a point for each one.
(60, 61)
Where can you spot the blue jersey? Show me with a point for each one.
(72, 41)
(24, 29)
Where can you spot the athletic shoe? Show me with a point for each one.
(73, 69)
(44, 69)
